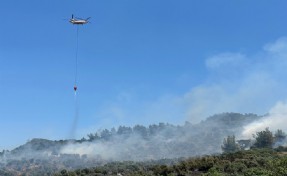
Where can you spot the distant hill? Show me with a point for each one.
(138, 143)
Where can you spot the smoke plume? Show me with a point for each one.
(235, 82)
(274, 120)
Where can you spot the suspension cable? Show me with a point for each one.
(76, 60)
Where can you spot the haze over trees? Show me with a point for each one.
(230, 145)
(242, 163)
(158, 149)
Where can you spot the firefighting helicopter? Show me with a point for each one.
(79, 20)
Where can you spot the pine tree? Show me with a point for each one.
(264, 139)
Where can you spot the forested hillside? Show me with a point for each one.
(139, 144)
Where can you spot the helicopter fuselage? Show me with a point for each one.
(73, 21)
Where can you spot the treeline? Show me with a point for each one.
(217, 123)
(144, 132)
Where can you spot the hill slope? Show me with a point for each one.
(136, 143)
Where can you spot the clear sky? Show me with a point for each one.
(140, 62)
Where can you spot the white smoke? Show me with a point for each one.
(235, 82)
(119, 148)
(276, 119)
(104, 150)
(240, 83)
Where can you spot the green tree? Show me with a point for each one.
(123, 130)
(230, 145)
(106, 134)
(93, 137)
(141, 130)
(264, 139)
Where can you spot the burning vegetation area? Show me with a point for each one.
(160, 149)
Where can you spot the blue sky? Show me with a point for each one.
(140, 62)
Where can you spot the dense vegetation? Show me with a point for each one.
(248, 163)
(152, 149)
